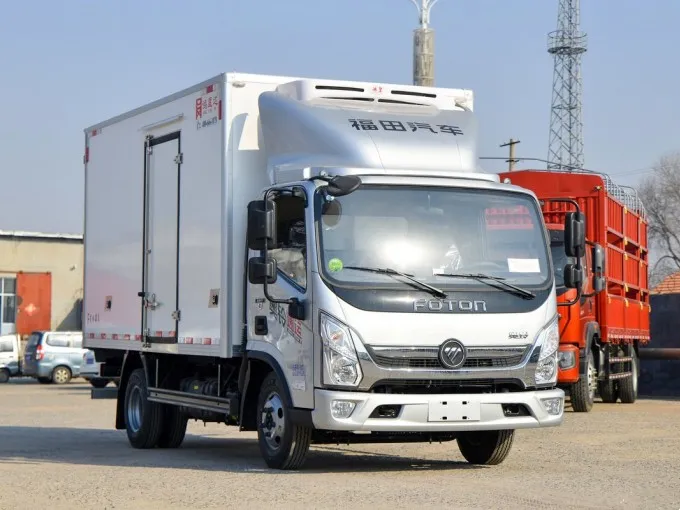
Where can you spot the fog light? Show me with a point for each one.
(567, 359)
(552, 405)
(342, 408)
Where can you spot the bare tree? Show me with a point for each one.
(660, 192)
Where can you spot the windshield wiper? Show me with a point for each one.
(386, 270)
(485, 279)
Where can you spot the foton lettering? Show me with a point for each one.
(448, 305)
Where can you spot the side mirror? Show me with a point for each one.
(261, 270)
(296, 309)
(575, 234)
(261, 225)
(598, 259)
(573, 276)
(341, 185)
(598, 284)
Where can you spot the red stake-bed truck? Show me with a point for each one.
(602, 324)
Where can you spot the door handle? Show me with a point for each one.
(151, 302)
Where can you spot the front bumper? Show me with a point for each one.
(418, 413)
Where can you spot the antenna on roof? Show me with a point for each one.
(423, 45)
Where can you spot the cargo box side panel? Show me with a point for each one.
(113, 236)
(201, 212)
(186, 222)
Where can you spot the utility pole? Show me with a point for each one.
(511, 162)
(423, 45)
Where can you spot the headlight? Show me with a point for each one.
(341, 363)
(566, 359)
(546, 368)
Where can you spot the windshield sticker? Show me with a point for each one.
(395, 125)
(335, 265)
(524, 266)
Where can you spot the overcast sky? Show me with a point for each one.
(68, 64)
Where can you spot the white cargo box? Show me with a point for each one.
(166, 193)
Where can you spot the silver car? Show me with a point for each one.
(54, 356)
(9, 357)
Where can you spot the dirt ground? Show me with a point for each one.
(58, 449)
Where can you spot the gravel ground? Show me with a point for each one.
(58, 449)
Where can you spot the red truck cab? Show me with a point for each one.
(603, 323)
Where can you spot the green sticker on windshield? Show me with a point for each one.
(335, 265)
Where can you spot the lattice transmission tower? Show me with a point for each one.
(567, 44)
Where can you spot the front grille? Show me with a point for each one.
(444, 386)
(428, 357)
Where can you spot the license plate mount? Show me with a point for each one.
(455, 410)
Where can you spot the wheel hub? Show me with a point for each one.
(60, 376)
(134, 410)
(273, 426)
(592, 379)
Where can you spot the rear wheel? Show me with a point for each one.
(283, 444)
(142, 417)
(4, 375)
(61, 375)
(583, 390)
(608, 391)
(488, 447)
(174, 427)
(628, 386)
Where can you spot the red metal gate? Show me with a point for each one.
(34, 302)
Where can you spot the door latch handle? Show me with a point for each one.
(151, 302)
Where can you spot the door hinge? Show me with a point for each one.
(179, 159)
(177, 315)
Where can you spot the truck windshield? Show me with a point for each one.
(429, 231)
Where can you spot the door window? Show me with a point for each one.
(8, 304)
(291, 251)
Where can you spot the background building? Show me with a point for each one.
(41, 281)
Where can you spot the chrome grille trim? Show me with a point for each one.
(428, 357)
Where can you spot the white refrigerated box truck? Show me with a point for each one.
(318, 261)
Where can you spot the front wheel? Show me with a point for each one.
(4, 375)
(142, 417)
(488, 447)
(283, 444)
(583, 391)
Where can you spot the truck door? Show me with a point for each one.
(161, 237)
(269, 322)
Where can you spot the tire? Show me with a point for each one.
(487, 447)
(283, 444)
(4, 375)
(174, 427)
(628, 387)
(61, 375)
(99, 383)
(583, 391)
(608, 391)
(142, 417)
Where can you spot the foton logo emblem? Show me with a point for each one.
(448, 305)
